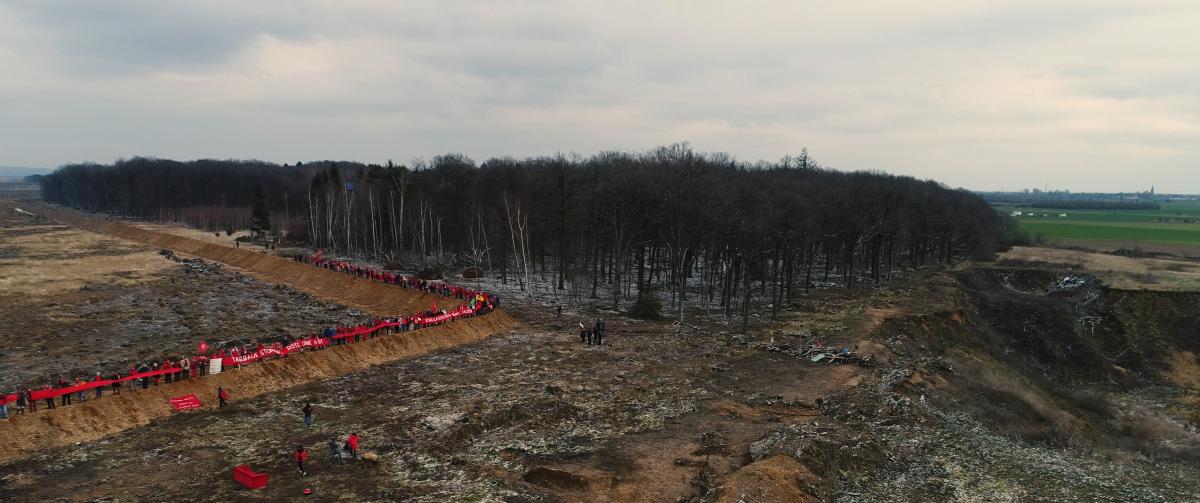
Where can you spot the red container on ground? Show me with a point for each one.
(243, 475)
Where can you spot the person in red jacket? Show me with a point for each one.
(222, 397)
(352, 444)
(300, 456)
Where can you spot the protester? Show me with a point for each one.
(308, 410)
(98, 388)
(335, 452)
(300, 456)
(20, 402)
(66, 397)
(222, 397)
(50, 400)
(352, 445)
(80, 396)
(145, 380)
(116, 385)
(3, 406)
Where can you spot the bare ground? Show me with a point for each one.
(663, 412)
(76, 302)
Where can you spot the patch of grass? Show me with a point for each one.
(1116, 231)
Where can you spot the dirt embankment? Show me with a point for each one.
(94, 419)
(370, 296)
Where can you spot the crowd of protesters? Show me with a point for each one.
(391, 278)
(176, 369)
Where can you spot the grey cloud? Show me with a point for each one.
(123, 36)
(978, 95)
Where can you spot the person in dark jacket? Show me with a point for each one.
(66, 397)
(335, 451)
(308, 410)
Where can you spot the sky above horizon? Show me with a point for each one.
(1083, 95)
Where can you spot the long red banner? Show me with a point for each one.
(312, 342)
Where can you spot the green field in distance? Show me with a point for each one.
(1176, 222)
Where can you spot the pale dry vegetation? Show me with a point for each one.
(1131, 273)
(43, 258)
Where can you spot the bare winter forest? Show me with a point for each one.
(658, 220)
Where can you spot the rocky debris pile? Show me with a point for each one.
(1071, 283)
(809, 348)
(194, 264)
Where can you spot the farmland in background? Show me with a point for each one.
(1173, 228)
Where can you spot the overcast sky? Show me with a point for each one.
(1088, 95)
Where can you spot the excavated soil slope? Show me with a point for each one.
(371, 296)
(96, 418)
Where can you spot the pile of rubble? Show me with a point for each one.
(194, 264)
(810, 348)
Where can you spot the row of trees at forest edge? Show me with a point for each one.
(616, 225)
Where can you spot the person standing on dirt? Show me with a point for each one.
(300, 456)
(98, 387)
(145, 380)
(308, 410)
(598, 336)
(116, 385)
(66, 397)
(80, 395)
(222, 397)
(335, 452)
(29, 399)
(50, 399)
(352, 445)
